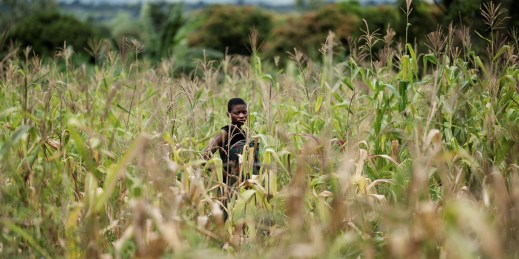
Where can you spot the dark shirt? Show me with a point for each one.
(235, 139)
(234, 134)
(233, 145)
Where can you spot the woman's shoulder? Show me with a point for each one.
(232, 127)
(225, 128)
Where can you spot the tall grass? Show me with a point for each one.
(406, 154)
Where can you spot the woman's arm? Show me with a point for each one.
(215, 144)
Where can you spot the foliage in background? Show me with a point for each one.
(306, 32)
(380, 17)
(424, 18)
(124, 26)
(46, 32)
(227, 28)
(11, 11)
(165, 31)
(467, 12)
(164, 22)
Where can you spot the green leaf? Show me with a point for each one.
(17, 135)
(483, 37)
(338, 97)
(500, 52)
(481, 66)
(124, 109)
(218, 164)
(81, 147)
(243, 199)
(117, 171)
(319, 102)
(413, 61)
(348, 83)
(429, 58)
(402, 89)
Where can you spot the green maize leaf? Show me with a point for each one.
(117, 171)
(318, 103)
(483, 37)
(17, 135)
(241, 202)
(218, 164)
(500, 52)
(402, 89)
(81, 147)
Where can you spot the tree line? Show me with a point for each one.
(166, 31)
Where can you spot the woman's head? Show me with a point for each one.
(237, 110)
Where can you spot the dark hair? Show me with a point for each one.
(233, 102)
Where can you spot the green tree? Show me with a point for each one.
(380, 17)
(468, 11)
(45, 32)
(229, 27)
(12, 11)
(163, 24)
(307, 32)
(462, 11)
(309, 4)
(124, 26)
(423, 19)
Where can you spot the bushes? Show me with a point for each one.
(308, 32)
(46, 32)
(229, 27)
(12, 11)
(424, 18)
(163, 26)
(379, 17)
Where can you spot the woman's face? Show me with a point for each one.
(238, 114)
